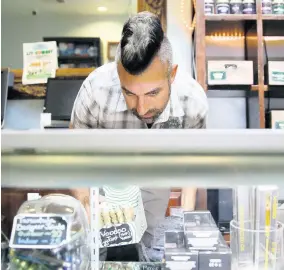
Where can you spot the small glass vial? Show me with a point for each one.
(223, 7)
(266, 6)
(249, 7)
(236, 6)
(209, 7)
(278, 7)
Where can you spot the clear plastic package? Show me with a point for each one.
(200, 229)
(50, 233)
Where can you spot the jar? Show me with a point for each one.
(249, 7)
(223, 7)
(209, 7)
(278, 7)
(266, 6)
(236, 6)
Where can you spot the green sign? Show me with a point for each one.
(279, 125)
(218, 75)
(278, 76)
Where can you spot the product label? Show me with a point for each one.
(236, 9)
(150, 266)
(218, 75)
(38, 231)
(278, 76)
(116, 235)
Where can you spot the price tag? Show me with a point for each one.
(41, 231)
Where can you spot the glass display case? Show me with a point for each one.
(66, 159)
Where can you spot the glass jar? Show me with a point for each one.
(223, 7)
(266, 6)
(249, 7)
(278, 7)
(209, 7)
(236, 6)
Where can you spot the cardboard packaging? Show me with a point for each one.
(277, 119)
(181, 259)
(276, 72)
(230, 72)
(122, 216)
(201, 232)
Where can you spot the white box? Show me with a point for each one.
(276, 72)
(230, 72)
(122, 216)
(277, 119)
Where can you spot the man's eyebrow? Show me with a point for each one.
(157, 89)
(127, 90)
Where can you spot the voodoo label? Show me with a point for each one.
(116, 235)
(150, 266)
(38, 231)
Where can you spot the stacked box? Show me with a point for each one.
(201, 232)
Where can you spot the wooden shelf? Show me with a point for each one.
(231, 17)
(76, 57)
(273, 17)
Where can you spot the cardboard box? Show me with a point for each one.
(276, 72)
(181, 259)
(201, 232)
(277, 119)
(122, 216)
(230, 72)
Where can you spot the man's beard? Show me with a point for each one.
(156, 112)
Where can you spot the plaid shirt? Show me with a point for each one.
(100, 104)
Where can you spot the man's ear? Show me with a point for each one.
(173, 73)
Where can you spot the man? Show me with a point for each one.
(142, 89)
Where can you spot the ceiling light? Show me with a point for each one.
(102, 9)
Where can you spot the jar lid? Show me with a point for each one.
(209, 1)
(223, 1)
(249, 1)
(278, 1)
(236, 1)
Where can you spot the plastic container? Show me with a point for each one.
(278, 7)
(209, 7)
(256, 249)
(266, 6)
(223, 7)
(236, 6)
(249, 7)
(50, 233)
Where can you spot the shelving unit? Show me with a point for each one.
(202, 20)
(86, 60)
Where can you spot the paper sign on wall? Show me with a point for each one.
(40, 62)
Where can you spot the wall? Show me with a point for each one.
(21, 29)
(178, 34)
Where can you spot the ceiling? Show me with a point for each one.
(82, 7)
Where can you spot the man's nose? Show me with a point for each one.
(141, 106)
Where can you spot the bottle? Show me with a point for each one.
(236, 6)
(223, 7)
(249, 7)
(278, 7)
(209, 7)
(266, 6)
